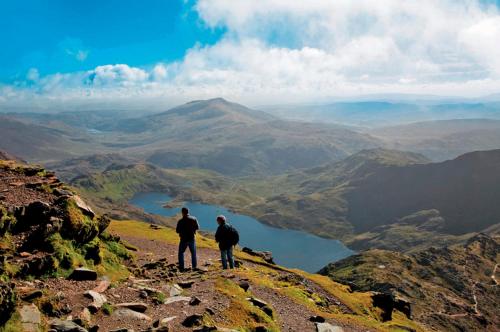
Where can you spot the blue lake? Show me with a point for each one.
(290, 248)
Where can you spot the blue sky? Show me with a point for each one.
(62, 54)
(64, 36)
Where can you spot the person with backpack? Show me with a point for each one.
(186, 228)
(227, 237)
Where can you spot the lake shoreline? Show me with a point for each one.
(291, 248)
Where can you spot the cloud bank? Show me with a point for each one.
(278, 51)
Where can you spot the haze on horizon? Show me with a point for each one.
(122, 54)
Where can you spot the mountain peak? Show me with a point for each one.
(216, 109)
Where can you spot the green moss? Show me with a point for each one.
(6, 221)
(241, 312)
(13, 324)
(107, 309)
(77, 225)
(65, 256)
(159, 298)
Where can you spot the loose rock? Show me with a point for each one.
(82, 273)
(244, 284)
(135, 306)
(192, 320)
(102, 287)
(317, 319)
(194, 301)
(327, 327)
(98, 300)
(31, 318)
(177, 299)
(66, 326)
(32, 295)
(131, 314)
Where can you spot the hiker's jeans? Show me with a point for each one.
(183, 245)
(227, 255)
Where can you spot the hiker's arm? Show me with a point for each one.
(217, 235)
(177, 229)
(196, 225)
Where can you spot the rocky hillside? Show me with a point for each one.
(451, 288)
(65, 268)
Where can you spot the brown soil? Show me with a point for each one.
(19, 190)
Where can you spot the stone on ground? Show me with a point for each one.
(175, 290)
(66, 326)
(81, 274)
(135, 306)
(327, 327)
(102, 286)
(32, 295)
(193, 320)
(98, 300)
(174, 299)
(194, 301)
(31, 318)
(130, 314)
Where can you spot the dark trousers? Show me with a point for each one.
(226, 256)
(183, 245)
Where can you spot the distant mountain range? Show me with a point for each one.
(380, 188)
(211, 134)
(378, 113)
(204, 133)
(442, 140)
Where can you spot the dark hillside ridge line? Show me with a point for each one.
(462, 189)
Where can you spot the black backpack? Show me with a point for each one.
(234, 236)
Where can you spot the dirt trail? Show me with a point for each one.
(290, 315)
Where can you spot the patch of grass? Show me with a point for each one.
(13, 324)
(159, 297)
(107, 309)
(241, 313)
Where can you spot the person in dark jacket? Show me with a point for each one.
(223, 237)
(186, 228)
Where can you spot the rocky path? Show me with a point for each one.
(289, 315)
(158, 297)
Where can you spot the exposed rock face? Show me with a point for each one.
(40, 213)
(265, 255)
(450, 288)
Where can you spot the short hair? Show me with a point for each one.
(185, 210)
(221, 218)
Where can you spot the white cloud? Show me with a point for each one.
(281, 51)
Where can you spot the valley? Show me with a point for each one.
(413, 226)
(363, 187)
